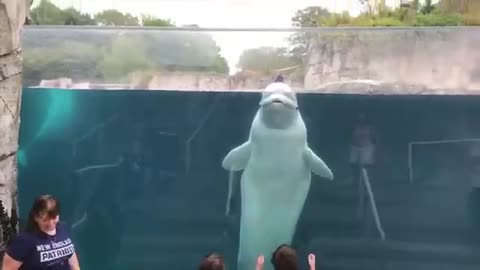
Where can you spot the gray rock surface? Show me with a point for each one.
(13, 14)
(427, 58)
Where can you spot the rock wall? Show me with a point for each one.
(435, 58)
(182, 80)
(13, 14)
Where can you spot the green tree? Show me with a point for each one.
(76, 60)
(47, 13)
(313, 16)
(113, 17)
(111, 57)
(438, 18)
(310, 17)
(152, 21)
(126, 54)
(75, 17)
(188, 51)
(428, 7)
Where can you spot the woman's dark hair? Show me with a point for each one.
(212, 261)
(285, 258)
(43, 205)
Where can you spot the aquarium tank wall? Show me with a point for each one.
(162, 149)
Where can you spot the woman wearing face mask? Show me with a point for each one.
(45, 244)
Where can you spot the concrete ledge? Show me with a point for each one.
(371, 87)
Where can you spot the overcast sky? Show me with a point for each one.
(223, 13)
(215, 13)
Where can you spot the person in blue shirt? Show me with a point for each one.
(45, 244)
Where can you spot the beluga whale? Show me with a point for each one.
(277, 164)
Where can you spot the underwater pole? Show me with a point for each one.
(373, 205)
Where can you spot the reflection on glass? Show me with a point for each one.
(129, 129)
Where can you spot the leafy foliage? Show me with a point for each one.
(125, 55)
(113, 17)
(47, 13)
(111, 56)
(148, 20)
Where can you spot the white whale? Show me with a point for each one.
(277, 164)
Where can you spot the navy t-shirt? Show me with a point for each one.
(40, 251)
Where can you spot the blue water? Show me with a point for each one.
(145, 167)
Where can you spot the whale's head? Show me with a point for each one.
(278, 106)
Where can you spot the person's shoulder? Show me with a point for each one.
(24, 236)
(19, 247)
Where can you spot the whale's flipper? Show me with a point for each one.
(231, 187)
(317, 165)
(237, 159)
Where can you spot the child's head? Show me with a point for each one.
(285, 258)
(212, 261)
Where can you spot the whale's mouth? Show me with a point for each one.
(278, 100)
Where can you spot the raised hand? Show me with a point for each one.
(260, 262)
(311, 261)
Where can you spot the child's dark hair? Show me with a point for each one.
(285, 258)
(212, 261)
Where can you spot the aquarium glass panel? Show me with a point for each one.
(163, 145)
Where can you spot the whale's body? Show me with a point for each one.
(277, 164)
